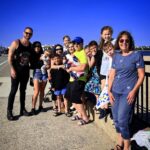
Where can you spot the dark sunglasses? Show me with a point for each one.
(59, 49)
(28, 33)
(37, 46)
(124, 41)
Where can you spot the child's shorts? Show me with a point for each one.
(60, 92)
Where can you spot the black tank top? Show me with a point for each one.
(22, 55)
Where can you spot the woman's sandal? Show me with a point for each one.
(83, 122)
(118, 147)
(76, 117)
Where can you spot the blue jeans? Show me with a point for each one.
(122, 114)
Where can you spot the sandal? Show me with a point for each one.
(68, 114)
(76, 117)
(57, 113)
(118, 147)
(83, 122)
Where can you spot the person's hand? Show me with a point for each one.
(69, 70)
(111, 98)
(13, 73)
(131, 97)
(93, 53)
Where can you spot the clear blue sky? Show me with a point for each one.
(52, 19)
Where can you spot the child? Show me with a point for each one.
(59, 80)
(106, 35)
(103, 99)
(46, 61)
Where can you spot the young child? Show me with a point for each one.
(106, 35)
(46, 61)
(72, 61)
(59, 79)
(103, 99)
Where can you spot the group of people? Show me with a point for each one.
(72, 70)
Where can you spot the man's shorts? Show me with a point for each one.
(60, 92)
(37, 74)
(75, 91)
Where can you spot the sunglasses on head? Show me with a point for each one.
(124, 41)
(28, 33)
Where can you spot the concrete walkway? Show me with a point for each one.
(44, 131)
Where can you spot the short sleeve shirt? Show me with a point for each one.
(126, 71)
(81, 55)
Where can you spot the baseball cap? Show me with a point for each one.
(78, 40)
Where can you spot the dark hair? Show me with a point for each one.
(66, 36)
(56, 55)
(131, 40)
(107, 28)
(102, 40)
(92, 43)
(28, 28)
(86, 46)
(39, 44)
(61, 47)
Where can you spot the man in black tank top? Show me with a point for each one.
(19, 59)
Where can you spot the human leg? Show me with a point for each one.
(24, 77)
(42, 91)
(11, 98)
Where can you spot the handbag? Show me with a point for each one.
(103, 97)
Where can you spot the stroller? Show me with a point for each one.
(48, 96)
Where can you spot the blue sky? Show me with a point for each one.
(52, 19)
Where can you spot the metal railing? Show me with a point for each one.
(142, 108)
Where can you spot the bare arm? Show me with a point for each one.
(110, 83)
(91, 61)
(131, 95)
(79, 68)
(56, 66)
(12, 49)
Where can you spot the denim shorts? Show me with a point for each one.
(60, 92)
(37, 74)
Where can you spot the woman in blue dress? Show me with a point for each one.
(126, 76)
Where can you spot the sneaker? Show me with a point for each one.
(10, 116)
(24, 113)
(33, 111)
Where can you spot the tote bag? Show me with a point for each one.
(103, 97)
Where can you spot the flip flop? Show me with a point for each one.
(83, 122)
(76, 117)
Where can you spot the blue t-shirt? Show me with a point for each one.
(126, 71)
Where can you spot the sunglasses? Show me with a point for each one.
(28, 33)
(37, 46)
(124, 41)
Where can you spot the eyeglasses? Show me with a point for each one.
(28, 33)
(124, 41)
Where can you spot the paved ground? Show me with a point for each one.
(44, 131)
